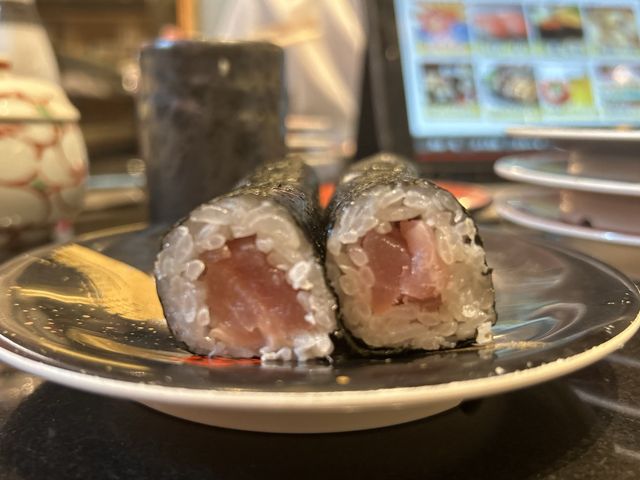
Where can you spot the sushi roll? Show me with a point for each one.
(242, 276)
(406, 262)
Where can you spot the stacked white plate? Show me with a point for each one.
(588, 193)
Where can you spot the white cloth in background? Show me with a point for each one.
(324, 43)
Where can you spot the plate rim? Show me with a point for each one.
(322, 401)
(520, 168)
(530, 220)
(579, 134)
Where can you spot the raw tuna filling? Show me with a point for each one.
(405, 265)
(251, 301)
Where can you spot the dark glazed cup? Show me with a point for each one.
(209, 112)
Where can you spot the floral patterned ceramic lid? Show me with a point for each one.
(26, 99)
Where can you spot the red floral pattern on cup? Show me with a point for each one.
(43, 167)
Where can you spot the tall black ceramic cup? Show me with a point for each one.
(209, 113)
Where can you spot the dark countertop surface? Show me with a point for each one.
(584, 426)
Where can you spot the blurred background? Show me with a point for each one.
(97, 43)
(449, 84)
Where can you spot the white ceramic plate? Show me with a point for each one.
(537, 208)
(550, 170)
(620, 142)
(86, 315)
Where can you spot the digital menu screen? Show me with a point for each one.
(474, 68)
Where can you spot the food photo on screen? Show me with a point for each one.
(556, 28)
(498, 27)
(440, 28)
(619, 90)
(612, 30)
(450, 89)
(565, 91)
(509, 91)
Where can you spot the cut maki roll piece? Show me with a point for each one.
(406, 262)
(242, 276)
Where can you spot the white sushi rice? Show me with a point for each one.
(467, 309)
(209, 227)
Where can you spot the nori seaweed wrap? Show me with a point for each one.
(242, 275)
(406, 262)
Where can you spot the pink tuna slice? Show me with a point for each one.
(250, 300)
(427, 276)
(405, 265)
(389, 260)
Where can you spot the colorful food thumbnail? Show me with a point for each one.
(556, 29)
(565, 90)
(514, 84)
(441, 28)
(618, 88)
(556, 23)
(498, 28)
(450, 89)
(449, 84)
(509, 91)
(611, 30)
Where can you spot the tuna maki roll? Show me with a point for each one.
(406, 261)
(242, 275)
